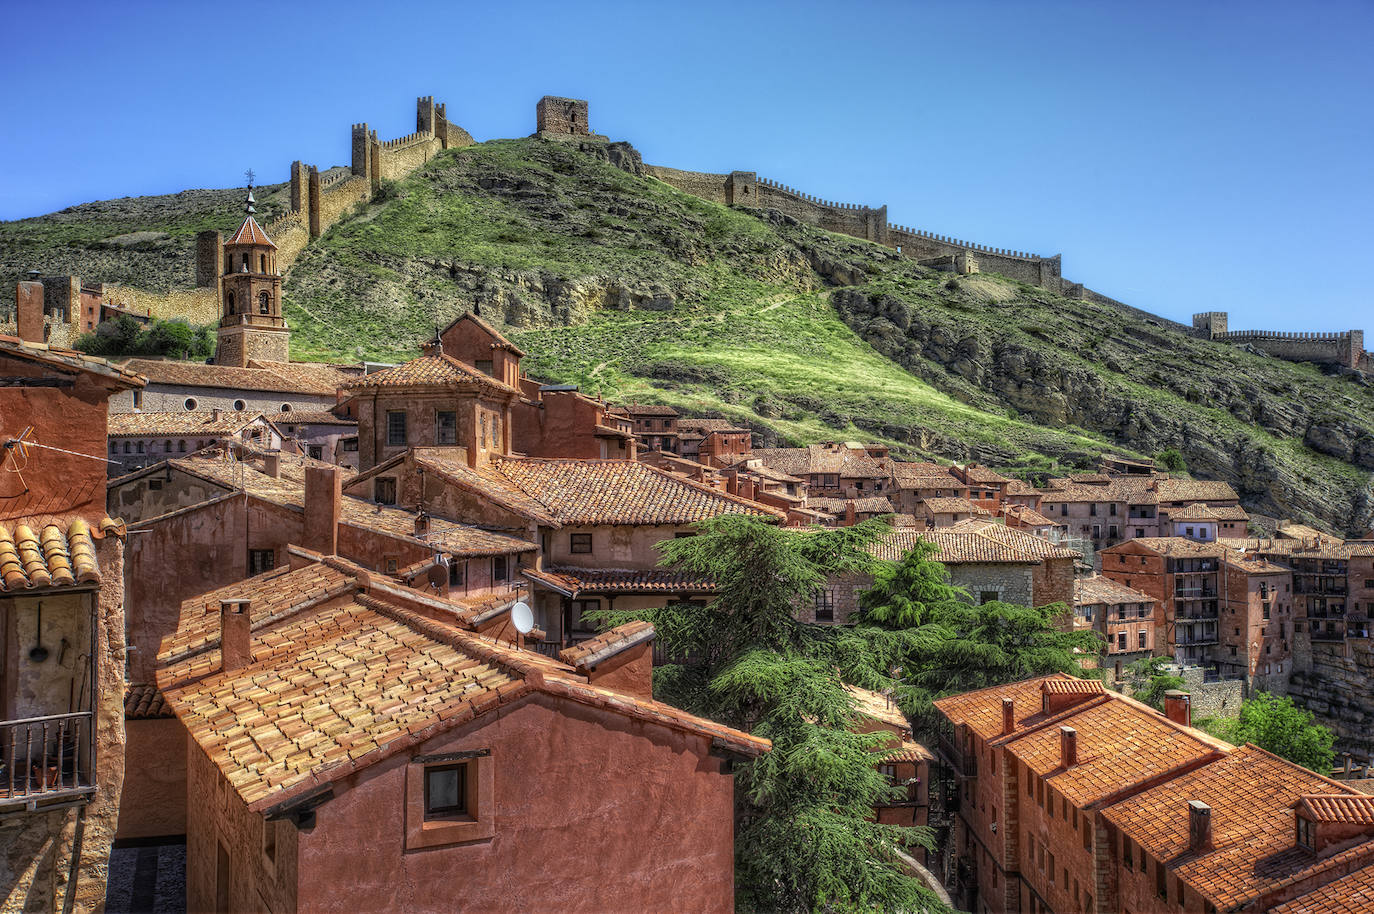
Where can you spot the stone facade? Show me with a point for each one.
(1345, 349)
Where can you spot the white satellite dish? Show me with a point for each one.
(521, 616)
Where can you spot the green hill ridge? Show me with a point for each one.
(636, 291)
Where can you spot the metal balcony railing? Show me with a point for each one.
(46, 759)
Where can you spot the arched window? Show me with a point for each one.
(262, 263)
(229, 301)
(264, 303)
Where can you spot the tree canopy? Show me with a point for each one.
(125, 336)
(1274, 723)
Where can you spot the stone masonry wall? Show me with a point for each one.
(1332, 681)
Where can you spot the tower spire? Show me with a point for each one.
(248, 205)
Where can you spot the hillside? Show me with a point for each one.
(621, 284)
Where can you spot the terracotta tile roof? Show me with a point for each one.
(437, 370)
(1324, 548)
(924, 476)
(1030, 516)
(949, 505)
(288, 489)
(650, 409)
(314, 382)
(910, 751)
(975, 541)
(574, 581)
(1191, 490)
(872, 504)
(1096, 589)
(1021, 487)
(250, 233)
(58, 553)
(1178, 547)
(340, 682)
(312, 417)
(1351, 894)
(589, 653)
(877, 706)
(451, 464)
(794, 461)
(144, 701)
(1119, 743)
(1201, 511)
(1253, 564)
(1135, 490)
(1303, 532)
(203, 423)
(981, 710)
(588, 492)
(1345, 808)
(325, 376)
(1073, 687)
(66, 359)
(1254, 849)
(980, 474)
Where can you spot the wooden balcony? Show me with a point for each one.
(46, 762)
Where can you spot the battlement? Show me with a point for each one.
(1345, 348)
(1308, 336)
(970, 245)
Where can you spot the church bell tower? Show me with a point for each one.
(251, 327)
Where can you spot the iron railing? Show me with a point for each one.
(46, 758)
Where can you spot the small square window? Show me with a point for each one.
(384, 490)
(446, 792)
(395, 428)
(580, 543)
(500, 568)
(260, 560)
(445, 427)
(457, 573)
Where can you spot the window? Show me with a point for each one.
(1141, 636)
(384, 490)
(240, 406)
(457, 573)
(1121, 641)
(286, 407)
(190, 403)
(229, 301)
(500, 568)
(262, 265)
(825, 605)
(140, 447)
(1306, 836)
(391, 564)
(1092, 509)
(1161, 881)
(1112, 510)
(1139, 531)
(1051, 868)
(1064, 510)
(264, 303)
(988, 596)
(580, 543)
(579, 610)
(445, 427)
(395, 428)
(269, 840)
(484, 365)
(316, 451)
(260, 560)
(138, 404)
(446, 792)
(350, 445)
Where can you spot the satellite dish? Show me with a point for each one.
(437, 574)
(521, 616)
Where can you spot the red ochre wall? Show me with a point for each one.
(593, 812)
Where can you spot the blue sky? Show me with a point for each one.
(1181, 156)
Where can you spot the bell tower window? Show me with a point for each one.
(262, 263)
(264, 303)
(229, 301)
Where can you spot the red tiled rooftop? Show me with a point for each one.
(437, 370)
(1349, 809)
(43, 552)
(1351, 894)
(573, 581)
(250, 233)
(1096, 589)
(1252, 794)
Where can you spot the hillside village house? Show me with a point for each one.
(1072, 798)
(320, 435)
(655, 427)
(1124, 617)
(139, 439)
(833, 470)
(916, 483)
(61, 615)
(1212, 607)
(1110, 508)
(601, 516)
(987, 488)
(1332, 583)
(401, 761)
(228, 513)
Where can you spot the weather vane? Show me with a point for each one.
(248, 206)
(249, 174)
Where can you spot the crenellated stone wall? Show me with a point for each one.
(1344, 349)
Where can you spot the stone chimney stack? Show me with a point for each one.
(1008, 716)
(1199, 826)
(271, 464)
(28, 309)
(1178, 707)
(1068, 747)
(235, 634)
(323, 504)
(421, 524)
(216, 413)
(850, 515)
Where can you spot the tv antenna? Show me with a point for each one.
(16, 454)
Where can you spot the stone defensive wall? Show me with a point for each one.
(1328, 348)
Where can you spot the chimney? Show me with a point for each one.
(1008, 716)
(1199, 826)
(235, 638)
(1068, 747)
(421, 523)
(850, 516)
(216, 413)
(271, 464)
(1178, 707)
(28, 309)
(323, 502)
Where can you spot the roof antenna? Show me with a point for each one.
(248, 204)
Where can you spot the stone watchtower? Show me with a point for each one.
(251, 325)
